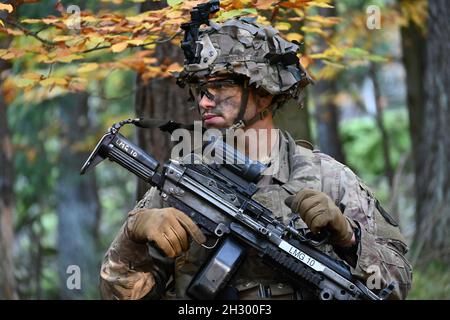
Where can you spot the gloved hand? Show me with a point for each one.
(319, 212)
(167, 227)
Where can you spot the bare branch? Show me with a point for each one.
(97, 47)
(31, 33)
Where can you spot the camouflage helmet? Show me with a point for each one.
(241, 47)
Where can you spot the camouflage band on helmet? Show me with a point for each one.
(240, 47)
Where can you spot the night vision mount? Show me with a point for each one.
(199, 16)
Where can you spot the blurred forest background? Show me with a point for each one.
(69, 69)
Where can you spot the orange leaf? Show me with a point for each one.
(265, 4)
(6, 7)
(119, 47)
(174, 67)
(87, 67)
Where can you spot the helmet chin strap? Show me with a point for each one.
(240, 123)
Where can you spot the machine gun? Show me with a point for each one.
(218, 198)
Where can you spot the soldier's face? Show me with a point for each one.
(220, 106)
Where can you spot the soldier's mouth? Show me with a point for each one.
(208, 116)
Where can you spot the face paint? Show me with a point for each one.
(224, 101)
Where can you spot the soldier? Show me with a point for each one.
(245, 72)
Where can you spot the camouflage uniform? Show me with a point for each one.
(130, 271)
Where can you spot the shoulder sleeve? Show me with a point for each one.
(382, 248)
(130, 270)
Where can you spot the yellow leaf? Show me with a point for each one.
(283, 26)
(136, 42)
(23, 83)
(87, 67)
(137, 19)
(49, 20)
(6, 7)
(62, 38)
(313, 30)
(328, 21)
(32, 76)
(174, 14)
(299, 12)
(119, 47)
(89, 19)
(320, 4)
(9, 55)
(1, 23)
(69, 58)
(31, 20)
(294, 36)
(53, 81)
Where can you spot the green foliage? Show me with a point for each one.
(431, 282)
(363, 145)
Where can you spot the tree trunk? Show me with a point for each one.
(78, 205)
(327, 112)
(160, 99)
(433, 157)
(413, 47)
(7, 280)
(380, 124)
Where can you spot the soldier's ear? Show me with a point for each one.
(262, 98)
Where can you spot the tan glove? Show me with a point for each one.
(167, 227)
(319, 212)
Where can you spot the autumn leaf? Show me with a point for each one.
(30, 21)
(173, 3)
(308, 29)
(62, 38)
(234, 13)
(305, 61)
(23, 83)
(33, 76)
(294, 36)
(6, 7)
(136, 42)
(265, 4)
(327, 21)
(119, 47)
(283, 26)
(69, 58)
(53, 81)
(320, 4)
(87, 67)
(174, 67)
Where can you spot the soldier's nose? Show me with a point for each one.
(206, 103)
